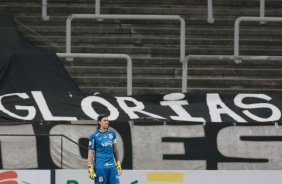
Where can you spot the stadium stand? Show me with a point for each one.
(154, 45)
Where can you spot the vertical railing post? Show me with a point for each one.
(210, 12)
(68, 37)
(182, 39)
(262, 8)
(44, 10)
(129, 75)
(236, 39)
(97, 7)
(61, 152)
(184, 75)
(262, 11)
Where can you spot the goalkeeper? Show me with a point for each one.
(102, 154)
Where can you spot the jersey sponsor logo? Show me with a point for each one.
(108, 164)
(108, 143)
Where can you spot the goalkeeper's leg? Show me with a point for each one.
(102, 176)
(113, 176)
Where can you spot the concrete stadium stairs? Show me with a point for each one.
(154, 45)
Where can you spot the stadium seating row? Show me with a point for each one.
(154, 45)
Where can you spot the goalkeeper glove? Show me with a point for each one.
(119, 169)
(91, 172)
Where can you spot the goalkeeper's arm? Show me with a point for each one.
(91, 171)
(116, 154)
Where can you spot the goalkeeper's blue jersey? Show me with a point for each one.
(102, 143)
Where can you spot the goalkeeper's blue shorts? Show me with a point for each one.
(106, 176)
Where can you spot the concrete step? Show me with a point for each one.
(121, 49)
(170, 51)
(259, 73)
(146, 61)
(137, 62)
(160, 62)
(247, 30)
(246, 64)
(194, 81)
(121, 91)
(246, 82)
(196, 89)
(121, 81)
(122, 71)
(236, 72)
(144, 40)
(235, 90)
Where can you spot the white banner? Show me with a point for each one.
(178, 177)
(72, 177)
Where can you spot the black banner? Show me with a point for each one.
(71, 106)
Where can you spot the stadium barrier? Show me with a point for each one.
(211, 17)
(127, 17)
(44, 11)
(91, 55)
(236, 58)
(249, 19)
(146, 176)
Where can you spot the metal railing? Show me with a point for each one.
(210, 11)
(219, 57)
(46, 17)
(210, 18)
(49, 135)
(97, 7)
(262, 8)
(44, 10)
(249, 19)
(127, 17)
(90, 55)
